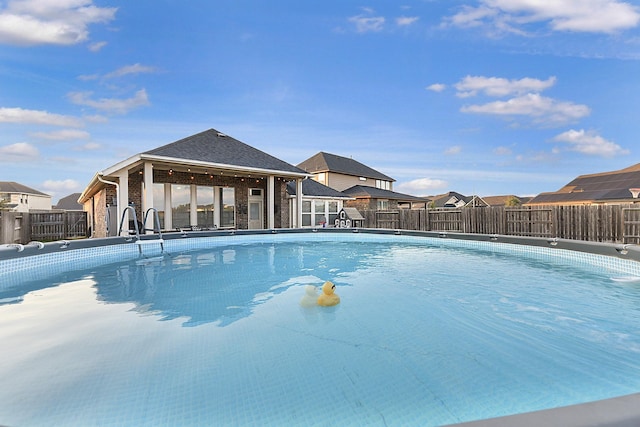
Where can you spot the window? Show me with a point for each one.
(332, 211)
(306, 213)
(158, 202)
(319, 212)
(320, 217)
(205, 209)
(228, 208)
(384, 185)
(181, 205)
(322, 178)
(383, 205)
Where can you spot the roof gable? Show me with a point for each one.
(325, 162)
(212, 146)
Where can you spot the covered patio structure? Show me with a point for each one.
(205, 181)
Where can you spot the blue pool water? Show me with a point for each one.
(425, 334)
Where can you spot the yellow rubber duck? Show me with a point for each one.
(328, 297)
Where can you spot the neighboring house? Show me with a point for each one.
(371, 198)
(508, 200)
(456, 200)
(207, 180)
(616, 187)
(370, 189)
(320, 204)
(20, 198)
(69, 203)
(341, 173)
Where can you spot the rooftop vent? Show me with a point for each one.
(221, 135)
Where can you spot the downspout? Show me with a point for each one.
(99, 176)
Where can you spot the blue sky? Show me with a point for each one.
(486, 97)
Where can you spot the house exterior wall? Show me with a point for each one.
(341, 182)
(369, 204)
(28, 202)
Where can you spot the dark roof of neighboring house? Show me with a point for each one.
(365, 192)
(215, 147)
(14, 187)
(441, 200)
(69, 203)
(613, 185)
(315, 189)
(325, 162)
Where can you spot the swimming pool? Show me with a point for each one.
(429, 331)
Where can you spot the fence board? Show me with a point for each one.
(597, 223)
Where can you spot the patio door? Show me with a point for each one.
(256, 209)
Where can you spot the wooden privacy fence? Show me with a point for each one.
(51, 226)
(596, 223)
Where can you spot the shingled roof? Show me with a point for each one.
(604, 186)
(364, 192)
(325, 162)
(212, 146)
(315, 189)
(14, 187)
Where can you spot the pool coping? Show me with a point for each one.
(618, 250)
(620, 411)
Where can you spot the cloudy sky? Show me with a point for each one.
(486, 97)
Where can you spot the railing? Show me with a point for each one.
(137, 230)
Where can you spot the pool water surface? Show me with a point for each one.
(425, 334)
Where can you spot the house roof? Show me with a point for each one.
(365, 192)
(14, 187)
(502, 200)
(442, 200)
(325, 162)
(313, 188)
(602, 186)
(353, 213)
(69, 203)
(215, 147)
(208, 150)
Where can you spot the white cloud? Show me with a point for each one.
(497, 86)
(130, 69)
(89, 146)
(590, 143)
(421, 186)
(594, 16)
(19, 115)
(67, 185)
(365, 23)
(405, 21)
(436, 87)
(502, 151)
(63, 135)
(18, 152)
(111, 105)
(451, 151)
(61, 22)
(543, 110)
(97, 47)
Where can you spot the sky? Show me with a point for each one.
(486, 97)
